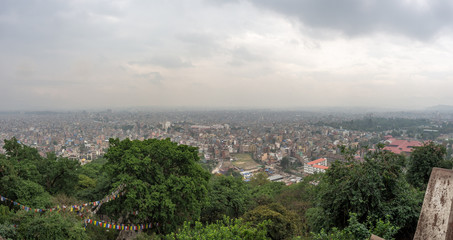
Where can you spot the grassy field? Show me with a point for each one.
(244, 161)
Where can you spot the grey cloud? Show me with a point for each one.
(152, 77)
(25, 70)
(357, 17)
(55, 25)
(50, 48)
(241, 56)
(220, 2)
(245, 54)
(199, 43)
(195, 38)
(166, 61)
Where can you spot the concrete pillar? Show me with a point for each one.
(436, 217)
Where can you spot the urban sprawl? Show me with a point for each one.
(285, 145)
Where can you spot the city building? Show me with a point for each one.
(399, 146)
(318, 165)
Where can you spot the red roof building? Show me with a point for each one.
(401, 146)
(318, 165)
(321, 161)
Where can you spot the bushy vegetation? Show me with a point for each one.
(234, 229)
(162, 183)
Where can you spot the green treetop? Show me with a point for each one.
(163, 182)
(422, 161)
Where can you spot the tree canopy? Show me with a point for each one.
(234, 229)
(283, 222)
(228, 196)
(163, 182)
(371, 189)
(422, 161)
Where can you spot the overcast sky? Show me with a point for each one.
(84, 54)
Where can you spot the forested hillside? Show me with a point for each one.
(157, 189)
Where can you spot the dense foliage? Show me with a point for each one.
(422, 160)
(372, 189)
(35, 181)
(163, 183)
(360, 231)
(283, 222)
(49, 225)
(228, 196)
(227, 228)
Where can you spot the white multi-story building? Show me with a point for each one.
(318, 165)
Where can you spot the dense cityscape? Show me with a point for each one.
(242, 141)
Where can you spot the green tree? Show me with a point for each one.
(234, 229)
(49, 225)
(8, 175)
(374, 188)
(58, 175)
(299, 198)
(422, 161)
(228, 196)
(265, 194)
(7, 229)
(283, 221)
(23, 159)
(163, 182)
(93, 181)
(262, 190)
(284, 163)
(259, 179)
(384, 229)
(357, 230)
(19, 152)
(85, 182)
(30, 194)
(21, 190)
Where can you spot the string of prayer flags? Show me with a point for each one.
(88, 207)
(119, 191)
(127, 227)
(82, 207)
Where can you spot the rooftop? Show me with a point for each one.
(398, 146)
(317, 161)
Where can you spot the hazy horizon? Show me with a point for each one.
(162, 109)
(218, 54)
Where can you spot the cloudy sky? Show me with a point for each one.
(84, 54)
